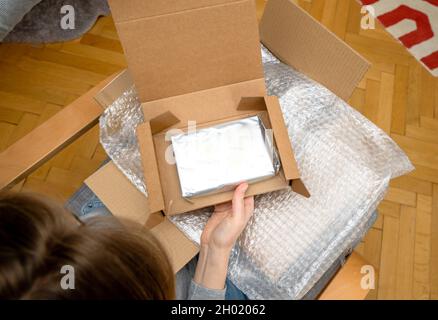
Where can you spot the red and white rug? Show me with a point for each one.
(414, 23)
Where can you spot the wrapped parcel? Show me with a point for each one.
(217, 158)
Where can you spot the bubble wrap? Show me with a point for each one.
(346, 163)
(118, 136)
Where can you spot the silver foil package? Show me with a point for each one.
(345, 161)
(217, 158)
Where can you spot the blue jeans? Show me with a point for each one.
(233, 293)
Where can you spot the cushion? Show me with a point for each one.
(11, 13)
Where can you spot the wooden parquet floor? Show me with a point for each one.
(397, 94)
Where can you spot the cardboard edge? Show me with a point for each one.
(281, 17)
(113, 90)
(284, 146)
(299, 187)
(149, 161)
(163, 122)
(129, 203)
(178, 247)
(282, 139)
(252, 104)
(140, 13)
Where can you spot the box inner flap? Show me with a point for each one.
(178, 247)
(126, 202)
(297, 39)
(203, 106)
(282, 139)
(191, 50)
(118, 194)
(150, 167)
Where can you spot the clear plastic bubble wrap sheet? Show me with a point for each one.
(345, 161)
(118, 136)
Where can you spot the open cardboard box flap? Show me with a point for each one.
(300, 41)
(170, 49)
(159, 72)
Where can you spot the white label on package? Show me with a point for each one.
(218, 158)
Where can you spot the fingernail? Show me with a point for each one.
(245, 187)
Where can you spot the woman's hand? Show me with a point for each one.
(228, 221)
(219, 236)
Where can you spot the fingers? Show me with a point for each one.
(238, 200)
(249, 207)
(223, 207)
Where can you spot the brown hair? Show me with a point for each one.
(38, 238)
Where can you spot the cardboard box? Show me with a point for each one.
(161, 177)
(285, 29)
(197, 61)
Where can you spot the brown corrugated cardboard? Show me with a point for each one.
(177, 47)
(136, 9)
(281, 136)
(150, 168)
(179, 249)
(211, 104)
(126, 202)
(114, 89)
(300, 41)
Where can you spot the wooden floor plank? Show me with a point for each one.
(406, 251)
(372, 247)
(425, 173)
(421, 275)
(429, 123)
(384, 113)
(400, 100)
(341, 20)
(27, 123)
(10, 115)
(434, 245)
(412, 184)
(427, 97)
(414, 95)
(388, 208)
(388, 259)
(422, 134)
(401, 196)
(372, 102)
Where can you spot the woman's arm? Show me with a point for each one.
(218, 238)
